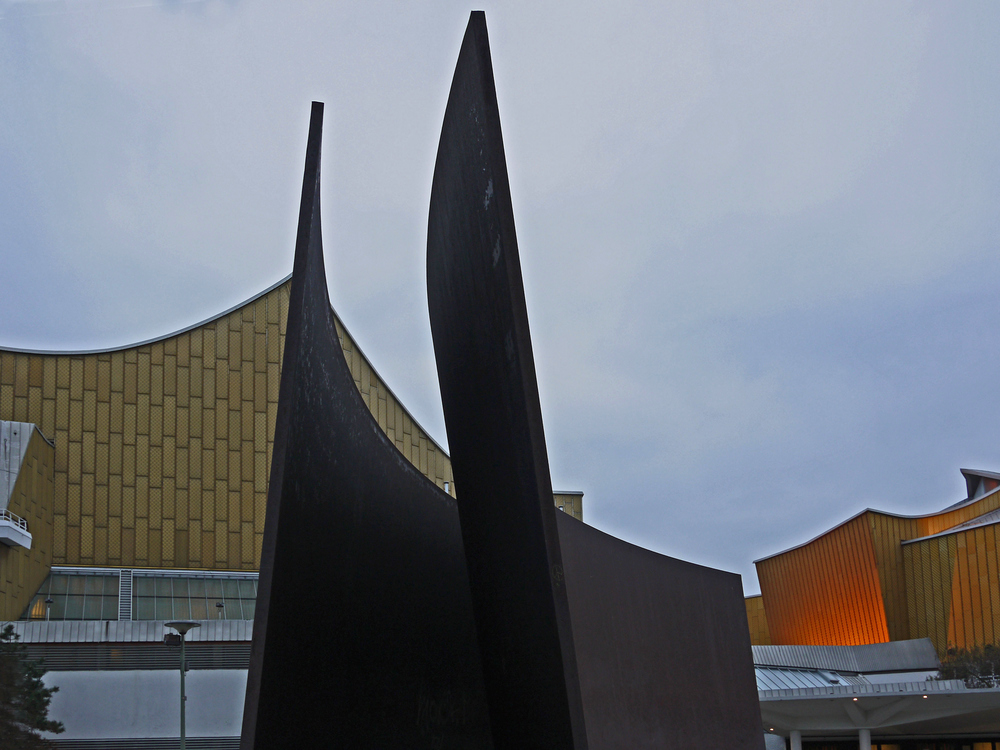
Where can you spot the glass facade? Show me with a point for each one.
(93, 595)
(192, 598)
(76, 596)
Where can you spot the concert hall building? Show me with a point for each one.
(133, 483)
(880, 577)
(849, 626)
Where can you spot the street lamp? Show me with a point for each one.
(182, 627)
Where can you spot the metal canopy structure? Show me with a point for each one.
(914, 709)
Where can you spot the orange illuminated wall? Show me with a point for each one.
(825, 592)
(876, 578)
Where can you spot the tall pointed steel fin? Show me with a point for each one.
(586, 639)
(363, 632)
(486, 372)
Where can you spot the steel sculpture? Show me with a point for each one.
(585, 639)
(386, 616)
(363, 635)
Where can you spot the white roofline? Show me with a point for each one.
(949, 509)
(153, 340)
(967, 526)
(206, 321)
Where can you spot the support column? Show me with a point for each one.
(796, 738)
(865, 739)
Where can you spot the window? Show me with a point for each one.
(161, 597)
(76, 596)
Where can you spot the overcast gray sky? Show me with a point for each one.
(759, 240)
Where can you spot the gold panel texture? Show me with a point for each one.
(890, 580)
(21, 570)
(953, 584)
(175, 435)
(568, 502)
(756, 619)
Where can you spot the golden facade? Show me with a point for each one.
(881, 577)
(163, 449)
(953, 586)
(22, 570)
(759, 633)
(570, 502)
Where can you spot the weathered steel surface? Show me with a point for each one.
(663, 647)
(585, 638)
(363, 635)
(486, 373)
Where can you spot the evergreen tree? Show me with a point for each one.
(24, 699)
(978, 666)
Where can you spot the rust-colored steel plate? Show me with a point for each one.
(363, 635)
(586, 640)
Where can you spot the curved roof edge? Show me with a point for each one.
(949, 509)
(385, 384)
(155, 339)
(217, 316)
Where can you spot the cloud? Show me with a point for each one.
(758, 240)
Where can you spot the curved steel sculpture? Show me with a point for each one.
(586, 640)
(363, 635)
(387, 617)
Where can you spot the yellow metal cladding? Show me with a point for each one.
(975, 589)
(570, 502)
(163, 450)
(929, 565)
(861, 572)
(887, 531)
(22, 571)
(954, 587)
(759, 633)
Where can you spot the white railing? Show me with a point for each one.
(6, 515)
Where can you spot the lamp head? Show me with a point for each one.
(183, 626)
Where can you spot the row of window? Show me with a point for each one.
(94, 596)
(190, 598)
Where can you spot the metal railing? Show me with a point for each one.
(6, 515)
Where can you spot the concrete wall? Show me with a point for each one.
(146, 703)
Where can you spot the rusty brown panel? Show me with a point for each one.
(537, 576)
(661, 644)
(373, 546)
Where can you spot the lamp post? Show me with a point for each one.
(182, 627)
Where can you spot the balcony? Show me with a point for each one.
(14, 530)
